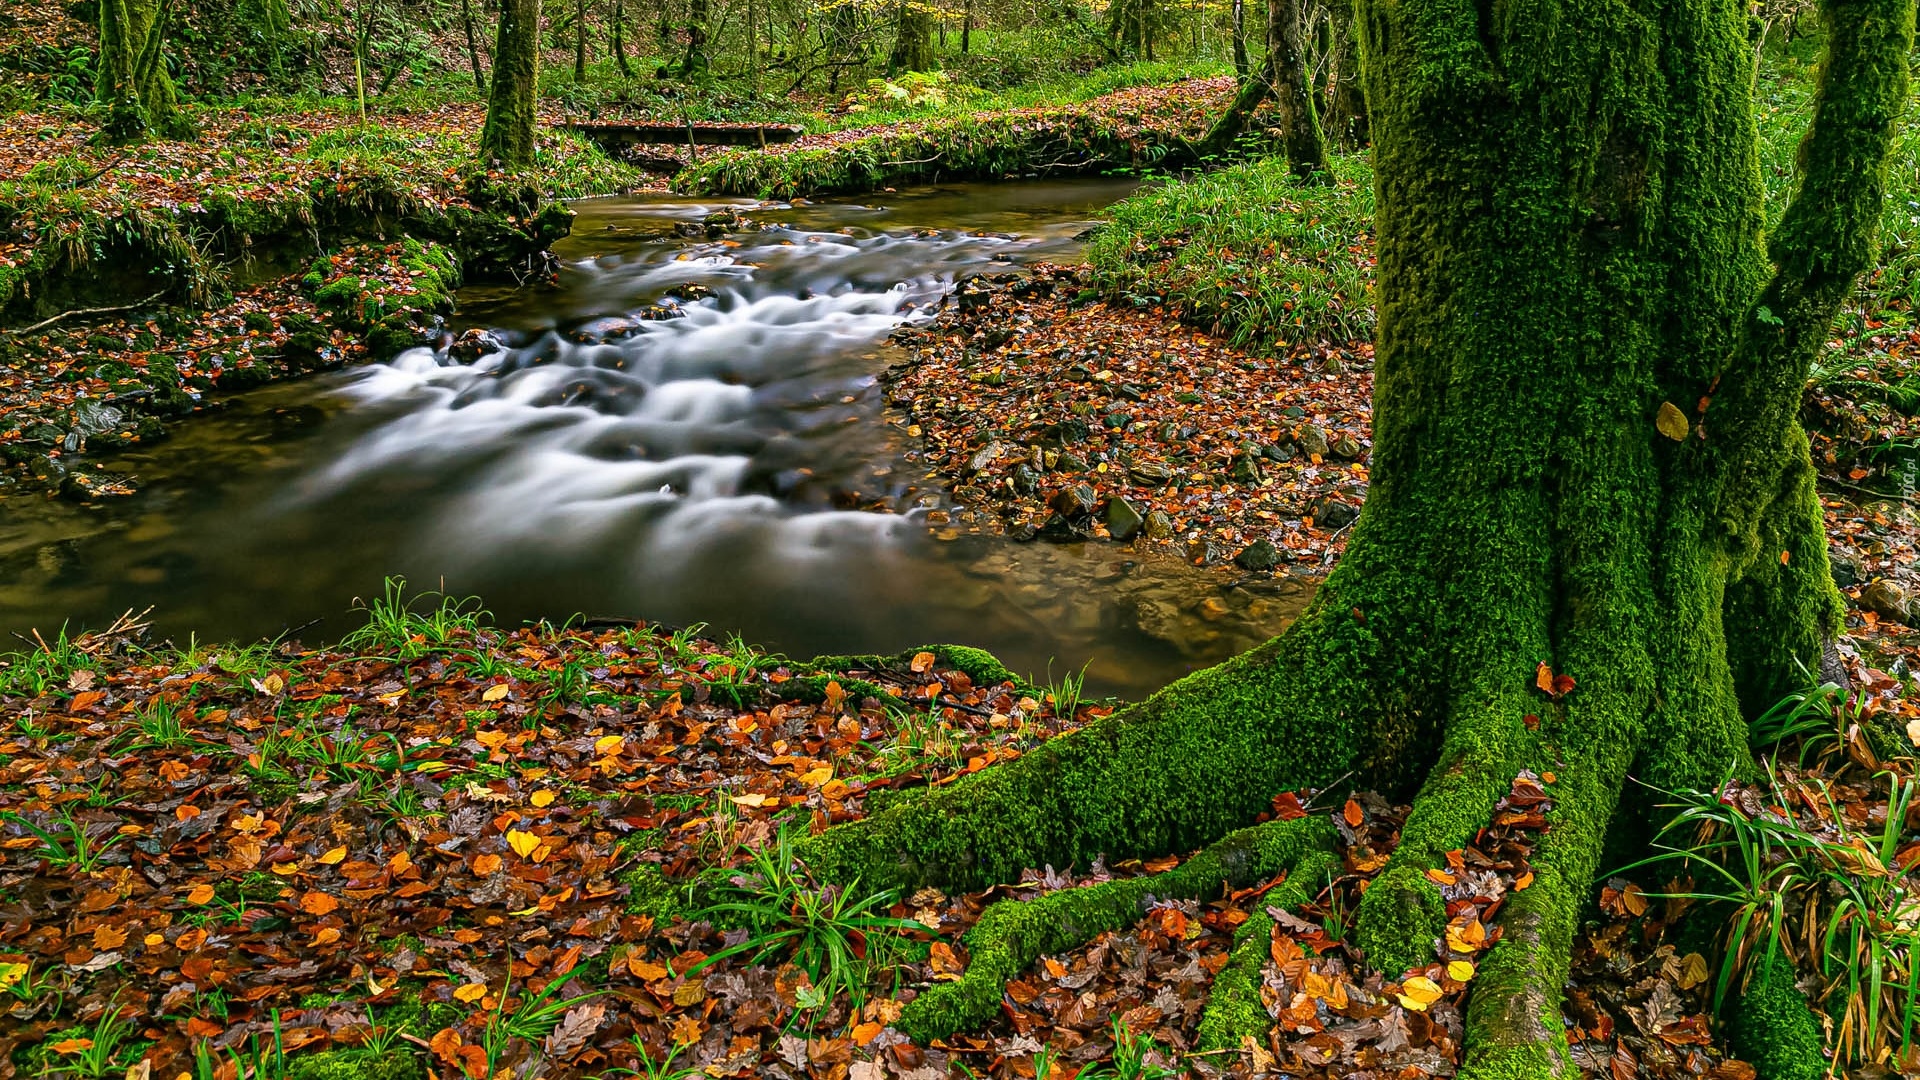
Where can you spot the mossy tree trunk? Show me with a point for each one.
(617, 43)
(133, 81)
(1293, 89)
(1571, 270)
(694, 63)
(913, 38)
(1241, 67)
(1282, 77)
(508, 137)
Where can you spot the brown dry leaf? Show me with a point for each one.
(200, 894)
(923, 662)
(575, 1028)
(945, 964)
(318, 903)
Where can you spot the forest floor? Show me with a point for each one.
(451, 847)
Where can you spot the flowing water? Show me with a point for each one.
(732, 464)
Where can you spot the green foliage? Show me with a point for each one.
(1808, 886)
(398, 624)
(827, 931)
(45, 669)
(1249, 250)
(68, 842)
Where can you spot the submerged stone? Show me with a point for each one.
(1123, 519)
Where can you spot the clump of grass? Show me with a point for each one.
(411, 627)
(1249, 252)
(830, 932)
(1807, 884)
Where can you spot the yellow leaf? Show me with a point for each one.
(1671, 421)
(273, 684)
(1693, 971)
(609, 745)
(1460, 971)
(542, 798)
(818, 776)
(523, 843)
(1419, 992)
(495, 692)
(200, 894)
(754, 799)
(11, 974)
(471, 992)
(334, 856)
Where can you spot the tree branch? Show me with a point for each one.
(44, 323)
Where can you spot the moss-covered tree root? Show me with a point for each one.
(1014, 934)
(1235, 1011)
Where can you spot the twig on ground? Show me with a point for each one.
(44, 323)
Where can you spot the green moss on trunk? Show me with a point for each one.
(508, 137)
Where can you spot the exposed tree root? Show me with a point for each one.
(1012, 935)
(1176, 772)
(1235, 1010)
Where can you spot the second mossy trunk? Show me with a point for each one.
(1283, 77)
(509, 137)
(913, 38)
(132, 81)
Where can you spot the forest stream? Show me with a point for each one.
(723, 464)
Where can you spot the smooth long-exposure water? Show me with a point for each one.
(723, 465)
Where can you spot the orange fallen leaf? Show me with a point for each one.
(1353, 814)
(318, 903)
(200, 894)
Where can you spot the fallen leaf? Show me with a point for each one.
(470, 993)
(522, 843)
(1419, 992)
(1671, 422)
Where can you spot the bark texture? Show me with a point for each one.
(508, 136)
(1570, 246)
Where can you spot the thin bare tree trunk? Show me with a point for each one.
(473, 45)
